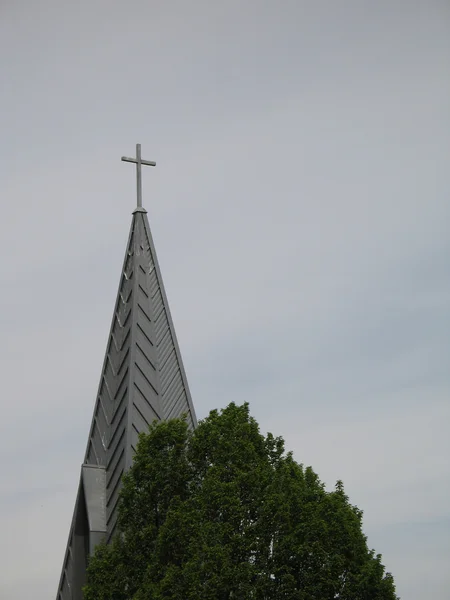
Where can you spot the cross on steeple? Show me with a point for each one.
(138, 161)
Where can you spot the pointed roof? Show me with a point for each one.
(142, 379)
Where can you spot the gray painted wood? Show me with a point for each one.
(142, 379)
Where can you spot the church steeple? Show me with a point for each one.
(142, 379)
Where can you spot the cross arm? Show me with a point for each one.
(150, 163)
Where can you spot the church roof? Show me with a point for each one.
(142, 379)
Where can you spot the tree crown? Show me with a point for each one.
(223, 512)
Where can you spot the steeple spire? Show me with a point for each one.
(142, 379)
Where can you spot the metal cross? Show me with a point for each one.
(138, 161)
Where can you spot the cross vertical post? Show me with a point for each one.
(139, 162)
(139, 175)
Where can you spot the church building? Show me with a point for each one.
(142, 379)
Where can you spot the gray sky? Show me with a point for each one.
(300, 208)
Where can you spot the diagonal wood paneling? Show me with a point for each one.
(142, 379)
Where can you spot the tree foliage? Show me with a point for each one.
(225, 513)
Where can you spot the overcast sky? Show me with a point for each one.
(300, 209)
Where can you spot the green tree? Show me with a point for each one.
(224, 513)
